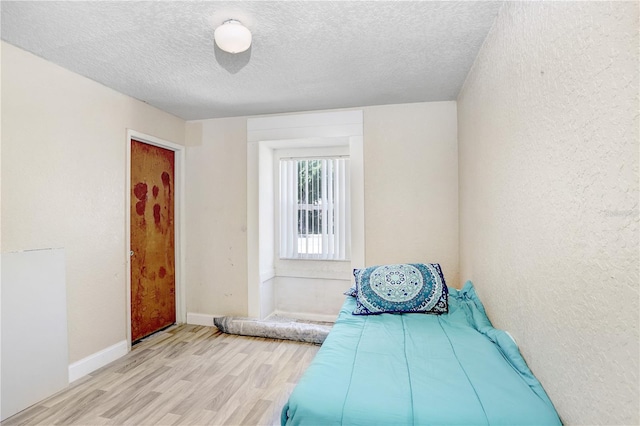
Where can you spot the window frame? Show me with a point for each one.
(338, 151)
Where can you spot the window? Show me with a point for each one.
(315, 208)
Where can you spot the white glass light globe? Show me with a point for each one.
(232, 36)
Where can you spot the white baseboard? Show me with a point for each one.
(200, 319)
(306, 316)
(97, 360)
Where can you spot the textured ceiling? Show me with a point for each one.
(305, 55)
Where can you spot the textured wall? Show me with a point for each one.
(63, 184)
(548, 140)
(411, 214)
(216, 204)
(411, 185)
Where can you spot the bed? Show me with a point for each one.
(419, 369)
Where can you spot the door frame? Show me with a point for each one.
(179, 222)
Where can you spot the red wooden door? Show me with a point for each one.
(153, 303)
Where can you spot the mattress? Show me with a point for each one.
(419, 369)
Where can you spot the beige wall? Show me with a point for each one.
(411, 214)
(548, 140)
(411, 185)
(63, 174)
(63, 184)
(216, 205)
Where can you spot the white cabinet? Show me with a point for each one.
(34, 350)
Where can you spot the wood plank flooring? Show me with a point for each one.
(185, 375)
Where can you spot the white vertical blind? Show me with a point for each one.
(314, 209)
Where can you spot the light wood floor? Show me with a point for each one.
(183, 375)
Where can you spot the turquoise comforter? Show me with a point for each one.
(419, 369)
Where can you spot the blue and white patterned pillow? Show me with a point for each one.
(401, 288)
(351, 292)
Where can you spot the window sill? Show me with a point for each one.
(314, 268)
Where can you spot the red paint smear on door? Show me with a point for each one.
(165, 178)
(140, 206)
(156, 213)
(140, 191)
(155, 191)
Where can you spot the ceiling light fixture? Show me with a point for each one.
(232, 36)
